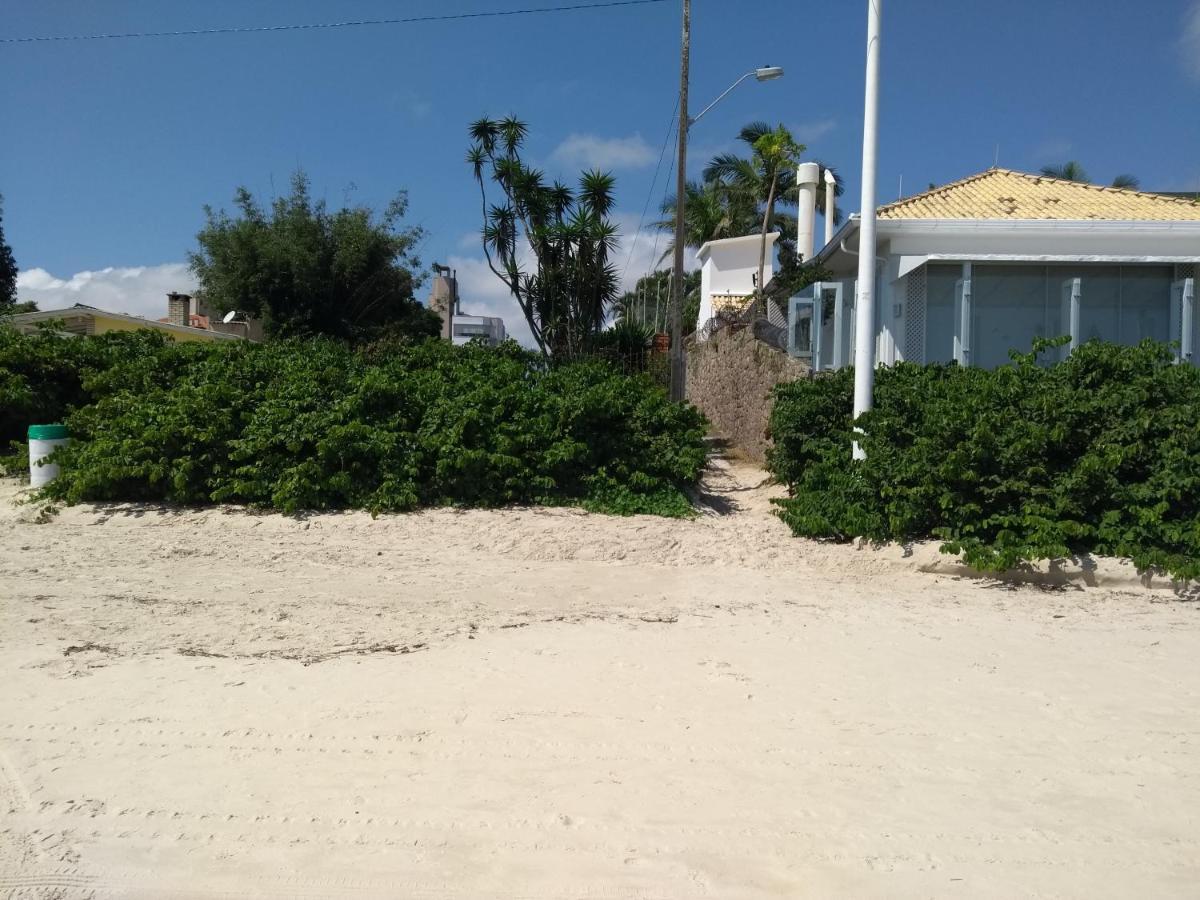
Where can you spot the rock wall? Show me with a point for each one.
(729, 378)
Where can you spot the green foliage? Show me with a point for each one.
(312, 424)
(8, 270)
(1096, 454)
(42, 375)
(306, 271)
(568, 294)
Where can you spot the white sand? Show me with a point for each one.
(217, 704)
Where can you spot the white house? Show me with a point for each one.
(974, 269)
(728, 272)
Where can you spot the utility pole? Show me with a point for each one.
(864, 334)
(677, 358)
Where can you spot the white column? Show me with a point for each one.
(807, 177)
(830, 201)
(864, 350)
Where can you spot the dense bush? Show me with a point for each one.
(41, 377)
(314, 425)
(1100, 454)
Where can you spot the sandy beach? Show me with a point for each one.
(544, 704)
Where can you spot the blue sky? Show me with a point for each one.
(111, 148)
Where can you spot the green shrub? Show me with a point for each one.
(1097, 454)
(42, 374)
(297, 425)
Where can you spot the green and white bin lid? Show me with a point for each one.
(47, 432)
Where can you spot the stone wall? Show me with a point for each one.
(730, 376)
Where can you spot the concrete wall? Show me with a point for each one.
(729, 378)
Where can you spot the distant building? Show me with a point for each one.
(194, 311)
(457, 326)
(180, 324)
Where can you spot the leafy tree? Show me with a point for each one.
(567, 294)
(305, 270)
(1074, 171)
(8, 270)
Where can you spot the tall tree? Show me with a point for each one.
(550, 245)
(8, 269)
(305, 270)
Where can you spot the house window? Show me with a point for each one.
(1145, 303)
(940, 299)
(1011, 306)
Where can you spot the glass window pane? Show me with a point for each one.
(1100, 304)
(940, 297)
(1145, 303)
(1010, 306)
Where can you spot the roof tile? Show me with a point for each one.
(1004, 194)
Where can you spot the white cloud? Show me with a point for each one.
(1052, 151)
(591, 152)
(1189, 41)
(810, 132)
(136, 290)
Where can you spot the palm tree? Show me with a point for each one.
(711, 212)
(1068, 171)
(774, 153)
(729, 168)
(1074, 171)
(740, 196)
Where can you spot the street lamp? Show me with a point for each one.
(763, 73)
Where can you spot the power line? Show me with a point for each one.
(650, 194)
(254, 29)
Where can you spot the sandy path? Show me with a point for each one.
(549, 704)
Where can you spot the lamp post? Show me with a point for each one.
(763, 73)
(864, 336)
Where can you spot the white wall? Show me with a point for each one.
(730, 267)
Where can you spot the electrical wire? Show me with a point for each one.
(255, 29)
(671, 124)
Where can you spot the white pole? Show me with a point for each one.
(864, 346)
(830, 200)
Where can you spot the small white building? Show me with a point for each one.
(972, 270)
(728, 274)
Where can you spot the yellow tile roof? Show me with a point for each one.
(1003, 194)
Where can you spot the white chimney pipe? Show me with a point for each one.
(807, 177)
(830, 200)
